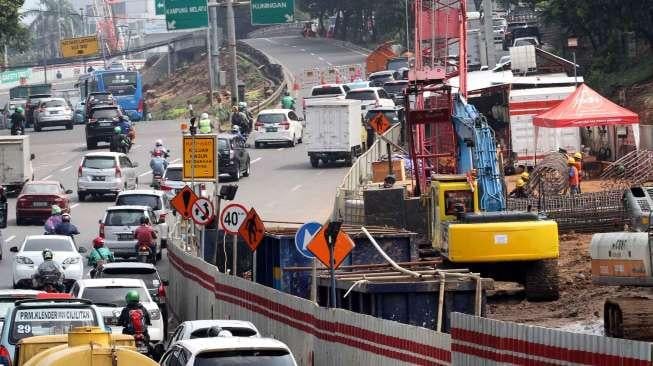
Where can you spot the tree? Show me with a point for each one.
(55, 20)
(12, 32)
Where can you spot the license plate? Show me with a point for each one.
(39, 204)
(105, 124)
(98, 178)
(271, 129)
(125, 236)
(111, 320)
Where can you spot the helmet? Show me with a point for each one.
(117, 129)
(20, 110)
(98, 242)
(158, 142)
(235, 130)
(525, 176)
(520, 183)
(144, 220)
(204, 116)
(287, 93)
(132, 297)
(47, 254)
(56, 210)
(242, 105)
(578, 156)
(571, 161)
(65, 217)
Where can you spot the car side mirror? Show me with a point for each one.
(32, 157)
(135, 165)
(13, 249)
(81, 250)
(165, 282)
(69, 191)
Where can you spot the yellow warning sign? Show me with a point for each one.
(205, 158)
(80, 46)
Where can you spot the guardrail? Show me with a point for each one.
(276, 30)
(349, 195)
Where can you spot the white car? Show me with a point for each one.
(30, 254)
(108, 294)
(105, 173)
(53, 112)
(228, 351)
(173, 182)
(118, 225)
(371, 97)
(278, 126)
(157, 200)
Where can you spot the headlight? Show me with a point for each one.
(23, 260)
(73, 260)
(155, 314)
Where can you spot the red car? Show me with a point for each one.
(37, 197)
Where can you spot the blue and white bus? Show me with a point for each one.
(126, 87)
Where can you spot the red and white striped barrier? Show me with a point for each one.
(480, 341)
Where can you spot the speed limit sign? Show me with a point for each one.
(232, 217)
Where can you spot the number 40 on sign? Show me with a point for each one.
(232, 217)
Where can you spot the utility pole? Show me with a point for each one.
(231, 35)
(209, 54)
(215, 43)
(489, 33)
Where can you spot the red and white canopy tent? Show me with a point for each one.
(586, 108)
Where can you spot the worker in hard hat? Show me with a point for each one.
(578, 157)
(574, 178)
(525, 177)
(520, 190)
(205, 124)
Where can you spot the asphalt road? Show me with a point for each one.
(282, 187)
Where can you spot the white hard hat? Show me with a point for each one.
(204, 116)
(158, 142)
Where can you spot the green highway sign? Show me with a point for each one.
(160, 7)
(13, 76)
(266, 12)
(186, 14)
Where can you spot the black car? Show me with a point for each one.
(98, 99)
(396, 90)
(234, 157)
(100, 125)
(32, 103)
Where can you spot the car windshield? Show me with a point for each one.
(110, 113)
(99, 162)
(124, 218)
(53, 243)
(271, 118)
(395, 88)
(41, 189)
(362, 95)
(223, 144)
(326, 90)
(380, 77)
(174, 174)
(139, 200)
(120, 83)
(112, 294)
(32, 322)
(397, 64)
(244, 357)
(148, 275)
(55, 103)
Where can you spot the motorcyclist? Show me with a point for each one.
(159, 149)
(119, 142)
(235, 130)
(205, 125)
(126, 127)
(66, 227)
(158, 164)
(134, 312)
(288, 102)
(99, 255)
(17, 121)
(145, 235)
(49, 272)
(54, 220)
(242, 108)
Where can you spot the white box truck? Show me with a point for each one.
(526, 104)
(333, 130)
(15, 162)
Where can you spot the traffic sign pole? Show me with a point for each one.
(234, 257)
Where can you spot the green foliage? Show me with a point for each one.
(53, 17)
(12, 32)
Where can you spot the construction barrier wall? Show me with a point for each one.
(480, 341)
(317, 336)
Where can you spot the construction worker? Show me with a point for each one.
(578, 157)
(574, 179)
(205, 124)
(525, 177)
(520, 189)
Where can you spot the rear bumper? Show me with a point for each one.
(61, 120)
(279, 136)
(35, 213)
(99, 187)
(330, 154)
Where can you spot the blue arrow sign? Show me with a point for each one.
(304, 236)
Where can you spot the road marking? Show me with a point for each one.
(66, 168)
(136, 147)
(321, 58)
(294, 46)
(48, 177)
(10, 238)
(75, 205)
(256, 160)
(320, 173)
(174, 161)
(329, 63)
(144, 174)
(280, 149)
(312, 54)
(296, 188)
(303, 50)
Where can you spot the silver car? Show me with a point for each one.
(157, 200)
(53, 112)
(105, 173)
(118, 225)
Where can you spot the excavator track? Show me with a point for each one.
(629, 318)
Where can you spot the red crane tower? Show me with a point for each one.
(440, 54)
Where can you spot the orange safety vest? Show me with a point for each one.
(579, 167)
(573, 176)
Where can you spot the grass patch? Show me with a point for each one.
(608, 83)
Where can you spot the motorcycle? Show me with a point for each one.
(17, 131)
(141, 344)
(46, 282)
(144, 253)
(157, 179)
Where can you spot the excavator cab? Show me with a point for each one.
(451, 197)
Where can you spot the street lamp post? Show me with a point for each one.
(572, 43)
